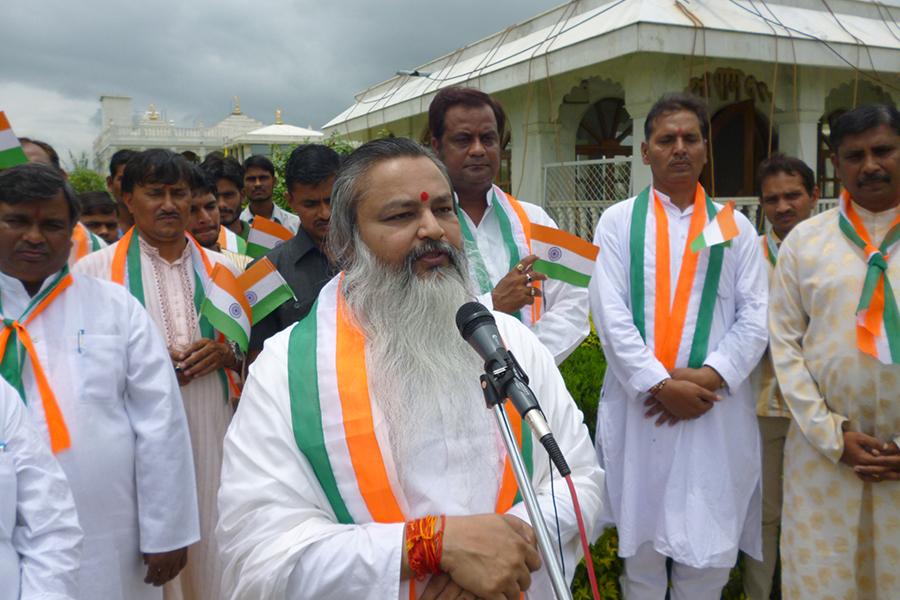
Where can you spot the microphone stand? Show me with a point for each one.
(492, 382)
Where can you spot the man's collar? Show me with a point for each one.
(13, 286)
(303, 243)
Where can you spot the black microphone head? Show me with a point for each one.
(470, 316)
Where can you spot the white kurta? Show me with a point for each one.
(279, 536)
(40, 539)
(564, 321)
(279, 215)
(692, 489)
(129, 464)
(169, 297)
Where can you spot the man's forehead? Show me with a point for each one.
(461, 116)
(673, 121)
(876, 136)
(178, 185)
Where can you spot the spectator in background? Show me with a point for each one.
(203, 222)
(98, 214)
(228, 176)
(41, 152)
(259, 183)
(114, 185)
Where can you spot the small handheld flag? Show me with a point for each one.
(226, 308)
(264, 288)
(11, 152)
(563, 256)
(265, 234)
(718, 231)
(229, 240)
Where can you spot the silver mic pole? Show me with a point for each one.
(548, 553)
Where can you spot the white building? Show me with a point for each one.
(262, 140)
(577, 81)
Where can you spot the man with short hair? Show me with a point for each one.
(168, 272)
(95, 375)
(466, 128)
(98, 214)
(204, 224)
(302, 261)
(259, 183)
(835, 341)
(228, 176)
(303, 518)
(682, 327)
(788, 195)
(114, 185)
(41, 152)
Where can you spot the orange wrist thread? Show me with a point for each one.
(424, 546)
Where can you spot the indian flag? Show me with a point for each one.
(229, 240)
(562, 256)
(718, 231)
(11, 153)
(226, 308)
(265, 234)
(264, 288)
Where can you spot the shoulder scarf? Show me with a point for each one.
(668, 321)
(126, 270)
(877, 315)
(770, 248)
(229, 240)
(515, 228)
(83, 242)
(11, 365)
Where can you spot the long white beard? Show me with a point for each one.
(422, 374)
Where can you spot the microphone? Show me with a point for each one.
(478, 327)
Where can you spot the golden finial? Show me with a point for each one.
(278, 119)
(152, 114)
(236, 100)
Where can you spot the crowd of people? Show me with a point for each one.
(751, 402)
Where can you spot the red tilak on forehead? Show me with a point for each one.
(423, 196)
(680, 131)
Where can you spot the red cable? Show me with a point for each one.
(588, 560)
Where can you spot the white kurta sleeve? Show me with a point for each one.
(567, 423)
(788, 321)
(277, 534)
(164, 468)
(564, 322)
(629, 357)
(46, 535)
(738, 353)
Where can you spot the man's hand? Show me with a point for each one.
(872, 460)
(681, 400)
(706, 377)
(164, 566)
(490, 556)
(441, 587)
(177, 357)
(205, 357)
(515, 290)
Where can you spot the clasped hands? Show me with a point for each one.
(872, 460)
(203, 357)
(689, 394)
(489, 557)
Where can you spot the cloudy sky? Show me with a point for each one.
(189, 58)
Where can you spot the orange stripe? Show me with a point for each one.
(222, 240)
(564, 239)
(673, 326)
(226, 280)
(121, 257)
(526, 227)
(875, 312)
(663, 277)
(4, 123)
(860, 228)
(260, 270)
(206, 263)
(726, 222)
(508, 485)
(80, 239)
(272, 228)
(56, 425)
(359, 428)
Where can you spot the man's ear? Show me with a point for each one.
(436, 145)
(645, 157)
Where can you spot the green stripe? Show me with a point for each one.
(266, 305)
(225, 323)
(306, 412)
(700, 341)
(482, 277)
(12, 157)
(527, 458)
(892, 322)
(508, 240)
(772, 250)
(255, 250)
(95, 243)
(699, 243)
(133, 266)
(850, 231)
(562, 273)
(636, 250)
(241, 244)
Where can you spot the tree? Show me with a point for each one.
(86, 180)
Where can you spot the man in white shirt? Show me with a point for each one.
(681, 331)
(259, 183)
(466, 128)
(40, 539)
(97, 380)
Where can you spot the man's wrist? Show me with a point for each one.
(656, 389)
(717, 374)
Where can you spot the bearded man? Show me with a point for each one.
(367, 416)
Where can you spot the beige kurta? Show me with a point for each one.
(169, 293)
(769, 401)
(841, 536)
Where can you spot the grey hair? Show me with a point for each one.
(348, 191)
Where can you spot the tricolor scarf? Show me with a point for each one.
(770, 249)
(669, 318)
(229, 240)
(14, 335)
(877, 315)
(333, 420)
(126, 270)
(515, 229)
(83, 242)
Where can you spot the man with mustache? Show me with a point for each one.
(302, 261)
(681, 328)
(835, 340)
(94, 374)
(788, 195)
(204, 222)
(259, 183)
(362, 459)
(467, 128)
(168, 272)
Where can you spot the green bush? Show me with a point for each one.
(86, 180)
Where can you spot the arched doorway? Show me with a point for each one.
(604, 131)
(740, 141)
